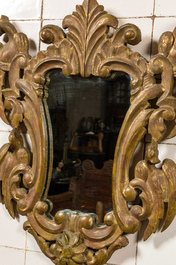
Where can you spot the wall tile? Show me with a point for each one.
(37, 258)
(4, 138)
(4, 126)
(32, 244)
(159, 249)
(161, 25)
(21, 9)
(169, 141)
(145, 26)
(167, 151)
(11, 256)
(12, 233)
(126, 255)
(53, 9)
(31, 29)
(163, 8)
(128, 8)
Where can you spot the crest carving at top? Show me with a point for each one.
(87, 49)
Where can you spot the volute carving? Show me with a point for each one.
(72, 237)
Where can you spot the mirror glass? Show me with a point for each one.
(86, 116)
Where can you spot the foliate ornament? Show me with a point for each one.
(69, 248)
(88, 27)
(19, 108)
(149, 111)
(73, 237)
(87, 49)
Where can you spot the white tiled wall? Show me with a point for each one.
(153, 17)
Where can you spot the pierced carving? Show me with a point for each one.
(87, 50)
(153, 182)
(73, 231)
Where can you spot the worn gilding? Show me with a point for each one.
(87, 49)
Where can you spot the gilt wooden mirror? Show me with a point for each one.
(87, 103)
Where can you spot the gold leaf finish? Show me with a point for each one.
(87, 49)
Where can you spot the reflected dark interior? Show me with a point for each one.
(86, 116)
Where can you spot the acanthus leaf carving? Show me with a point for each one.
(87, 31)
(71, 245)
(154, 183)
(14, 162)
(87, 49)
(17, 42)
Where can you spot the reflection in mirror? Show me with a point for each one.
(86, 116)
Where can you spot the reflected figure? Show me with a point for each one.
(57, 172)
(62, 174)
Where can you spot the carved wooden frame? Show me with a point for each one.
(74, 237)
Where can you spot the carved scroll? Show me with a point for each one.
(87, 50)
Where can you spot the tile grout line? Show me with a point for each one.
(34, 251)
(55, 19)
(12, 247)
(167, 143)
(22, 249)
(136, 254)
(41, 22)
(153, 22)
(25, 249)
(154, 5)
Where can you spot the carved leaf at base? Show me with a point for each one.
(87, 49)
(71, 246)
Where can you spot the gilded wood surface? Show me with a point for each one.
(87, 49)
